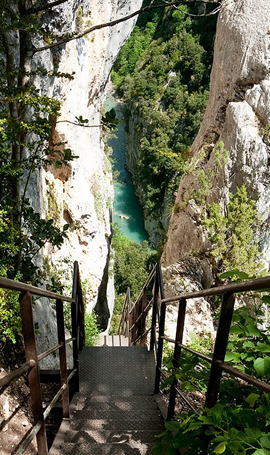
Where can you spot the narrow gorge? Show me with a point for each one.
(179, 175)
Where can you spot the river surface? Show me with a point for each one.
(127, 210)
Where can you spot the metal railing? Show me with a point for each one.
(159, 303)
(31, 366)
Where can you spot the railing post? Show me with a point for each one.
(28, 331)
(177, 353)
(75, 331)
(62, 357)
(221, 342)
(143, 316)
(154, 313)
(160, 346)
(128, 317)
(161, 331)
(81, 309)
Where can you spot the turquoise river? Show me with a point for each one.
(127, 211)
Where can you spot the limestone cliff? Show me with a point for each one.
(237, 114)
(81, 192)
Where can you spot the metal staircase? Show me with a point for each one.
(115, 412)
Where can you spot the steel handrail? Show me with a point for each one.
(33, 359)
(258, 284)
(159, 304)
(12, 285)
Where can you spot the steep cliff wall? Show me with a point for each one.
(81, 192)
(237, 114)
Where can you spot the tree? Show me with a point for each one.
(234, 234)
(27, 120)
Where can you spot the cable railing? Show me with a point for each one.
(159, 303)
(31, 366)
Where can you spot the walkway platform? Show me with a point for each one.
(115, 412)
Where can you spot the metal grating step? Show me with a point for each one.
(116, 425)
(115, 412)
(119, 372)
(118, 414)
(111, 437)
(106, 449)
(112, 341)
(112, 404)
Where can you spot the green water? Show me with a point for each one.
(127, 211)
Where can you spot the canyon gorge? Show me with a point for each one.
(80, 192)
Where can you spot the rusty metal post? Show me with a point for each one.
(28, 331)
(154, 313)
(142, 315)
(161, 330)
(81, 322)
(160, 346)
(75, 330)
(62, 357)
(221, 342)
(177, 353)
(128, 317)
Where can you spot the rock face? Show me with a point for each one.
(237, 114)
(80, 193)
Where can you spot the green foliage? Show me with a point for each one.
(240, 422)
(10, 321)
(27, 122)
(165, 90)
(91, 329)
(233, 236)
(132, 263)
(221, 429)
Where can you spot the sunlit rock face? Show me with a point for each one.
(80, 193)
(238, 114)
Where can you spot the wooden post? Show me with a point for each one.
(28, 331)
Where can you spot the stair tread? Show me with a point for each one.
(116, 405)
(117, 425)
(111, 437)
(105, 449)
(117, 414)
(112, 340)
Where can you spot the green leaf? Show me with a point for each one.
(220, 448)
(249, 344)
(253, 330)
(232, 356)
(266, 298)
(261, 452)
(172, 426)
(234, 273)
(252, 398)
(236, 329)
(265, 441)
(262, 366)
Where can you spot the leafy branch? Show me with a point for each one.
(148, 8)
